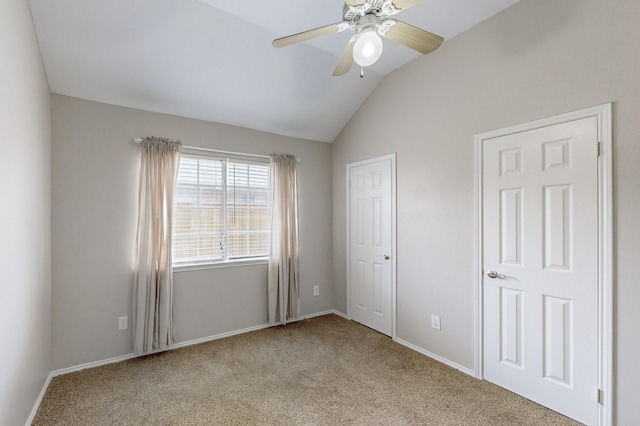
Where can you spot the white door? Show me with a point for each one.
(370, 272)
(540, 266)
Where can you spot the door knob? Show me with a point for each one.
(494, 274)
(385, 256)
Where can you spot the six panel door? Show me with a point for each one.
(540, 248)
(370, 274)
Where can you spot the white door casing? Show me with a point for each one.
(371, 243)
(543, 226)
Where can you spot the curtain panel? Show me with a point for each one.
(153, 281)
(283, 281)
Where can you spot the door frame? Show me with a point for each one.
(391, 157)
(603, 113)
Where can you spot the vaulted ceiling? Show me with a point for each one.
(213, 59)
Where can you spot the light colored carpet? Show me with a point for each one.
(322, 371)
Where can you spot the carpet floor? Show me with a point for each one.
(322, 371)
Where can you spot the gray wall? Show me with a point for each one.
(537, 59)
(94, 214)
(25, 231)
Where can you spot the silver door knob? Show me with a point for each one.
(384, 256)
(494, 274)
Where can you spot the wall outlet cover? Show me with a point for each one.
(435, 322)
(123, 323)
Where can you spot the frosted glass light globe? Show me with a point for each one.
(367, 49)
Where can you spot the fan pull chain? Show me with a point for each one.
(361, 72)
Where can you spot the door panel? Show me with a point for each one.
(540, 237)
(511, 332)
(511, 226)
(558, 340)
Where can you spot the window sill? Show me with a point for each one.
(226, 264)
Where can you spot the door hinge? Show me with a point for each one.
(600, 396)
(598, 149)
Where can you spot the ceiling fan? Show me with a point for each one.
(370, 19)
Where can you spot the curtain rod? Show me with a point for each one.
(138, 140)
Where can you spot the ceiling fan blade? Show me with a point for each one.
(414, 38)
(355, 3)
(346, 60)
(405, 4)
(306, 35)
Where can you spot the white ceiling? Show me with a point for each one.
(213, 59)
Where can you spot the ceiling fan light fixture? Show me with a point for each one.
(370, 20)
(367, 49)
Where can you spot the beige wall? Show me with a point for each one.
(25, 232)
(94, 213)
(537, 59)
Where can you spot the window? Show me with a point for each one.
(221, 210)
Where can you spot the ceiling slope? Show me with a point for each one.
(213, 59)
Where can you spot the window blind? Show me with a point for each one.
(247, 210)
(221, 210)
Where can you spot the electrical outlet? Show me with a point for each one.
(123, 323)
(316, 290)
(435, 322)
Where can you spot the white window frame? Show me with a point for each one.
(226, 262)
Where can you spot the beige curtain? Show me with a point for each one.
(153, 283)
(284, 284)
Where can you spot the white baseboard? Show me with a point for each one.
(93, 364)
(340, 314)
(34, 410)
(218, 336)
(445, 361)
(319, 314)
(174, 346)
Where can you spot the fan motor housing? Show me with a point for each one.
(379, 8)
